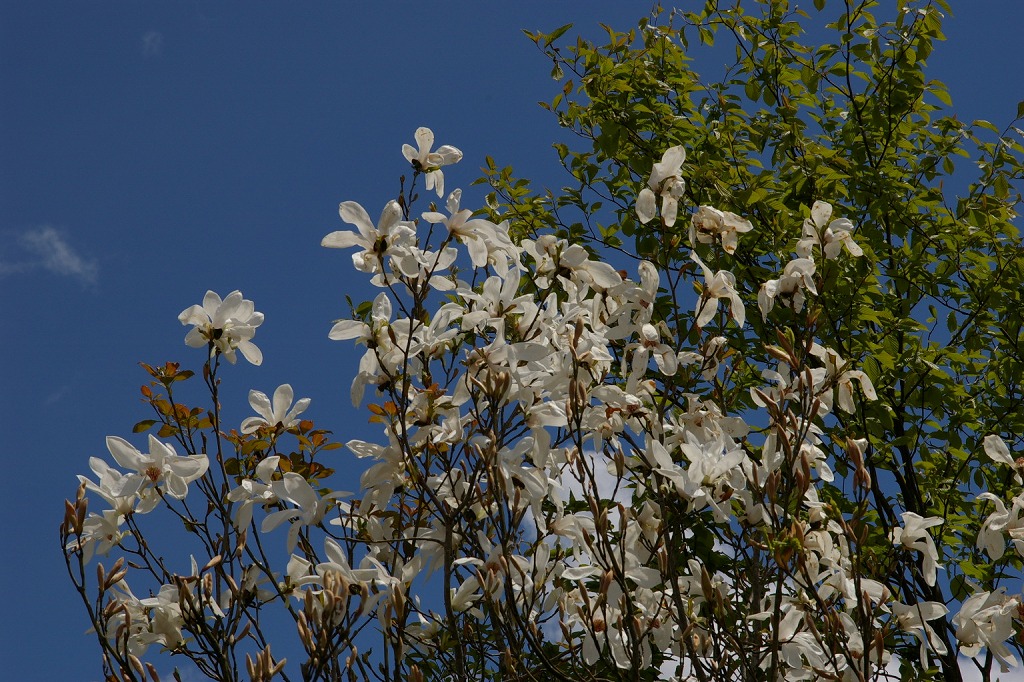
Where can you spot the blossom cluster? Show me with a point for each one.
(540, 463)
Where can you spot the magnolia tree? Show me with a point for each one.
(759, 451)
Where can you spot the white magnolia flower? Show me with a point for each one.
(835, 373)
(382, 478)
(914, 619)
(429, 162)
(638, 298)
(481, 237)
(986, 621)
(664, 355)
(367, 334)
(117, 488)
(100, 533)
(721, 284)
(130, 619)
(463, 597)
(830, 236)
(376, 240)
(165, 618)
(337, 562)
(797, 276)
(665, 181)
(250, 491)
(309, 509)
(487, 305)
(709, 223)
(996, 449)
(161, 468)
(1001, 523)
(277, 414)
(377, 336)
(224, 325)
(558, 258)
(914, 536)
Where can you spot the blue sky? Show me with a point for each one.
(150, 151)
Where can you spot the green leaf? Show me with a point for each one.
(143, 425)
(556, 34)
(752, 90)
(167, 430)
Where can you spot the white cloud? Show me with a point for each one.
(971, 673)
(7, 268)
(45, 248)
(57, 395)
(152, 43)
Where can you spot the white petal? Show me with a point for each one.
(669, 209)
(995, 448)
(390, 215)
(449, 154)
(435, 180)
(283, 397)
(343, 239)
(381, 307)
(250, 424)
(708, 276)
(821, 211)
(335, 553)
(124, 453)
(259, 402)
(348, 329)
(580, 572)
(865, 383)
(354, 214)
(243, 516)
(454, 201)
(425, 139)
(189, 468)
(604, 275)
(766, 297)
(433, 217)
(729, 241)
(211, 301)
(645, 205)
(674, 157)
(477, 251)
(299, 407)
(706, 309)
(250, 352)
(194, 315)
(195, 338)
(274, 520)
(266, 468)
(409, 152)
(650, 278)
(736, 309)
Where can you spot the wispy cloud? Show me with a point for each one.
(46, 248)
(58, 395)
(152, 43)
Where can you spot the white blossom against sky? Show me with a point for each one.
(150, 151)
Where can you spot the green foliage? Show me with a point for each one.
(849, 115)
